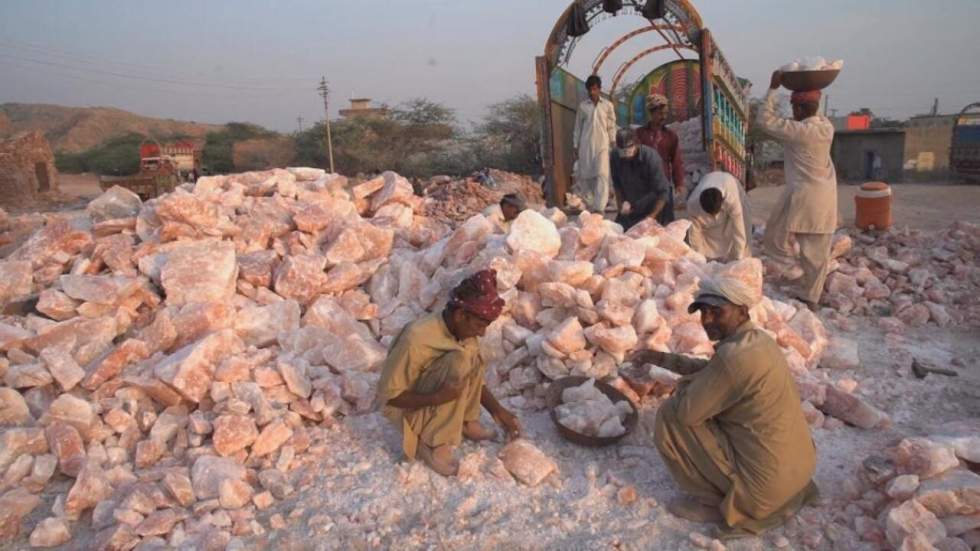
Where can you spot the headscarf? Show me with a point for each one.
(656, 100)
(812, 96)
(487, 304)
(718, 291)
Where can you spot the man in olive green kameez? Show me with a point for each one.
(431, 386)
(734, 435)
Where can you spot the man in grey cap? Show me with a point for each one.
(733, 435)
(638, 179)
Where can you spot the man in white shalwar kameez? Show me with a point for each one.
(595, 132)
(720, 220)
(807, 211)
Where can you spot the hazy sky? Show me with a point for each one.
(260, 60)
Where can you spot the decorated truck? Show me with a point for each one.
(708, 102)
(964, 153)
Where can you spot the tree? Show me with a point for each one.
(510, 135)
(217, 155)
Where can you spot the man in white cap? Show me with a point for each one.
(733, 435)
(720, 220)
(592, 139)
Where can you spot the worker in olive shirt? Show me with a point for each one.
(733, 435)
(431, 385)
(638, 178)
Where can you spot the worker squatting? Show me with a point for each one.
(733, 434)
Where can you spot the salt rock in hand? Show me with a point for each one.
(526, 462)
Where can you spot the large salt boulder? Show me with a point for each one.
(531, 231)
(203, 272)
(115, 202)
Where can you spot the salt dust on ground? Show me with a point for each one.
(389, 504)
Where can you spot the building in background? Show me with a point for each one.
(26, 167)
(871, 154)
(927, 143)
(361, 107)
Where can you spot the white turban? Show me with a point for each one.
(717, 291)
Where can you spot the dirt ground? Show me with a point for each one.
(927, 206)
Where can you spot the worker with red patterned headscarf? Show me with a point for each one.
(807, 210)
(431, 386)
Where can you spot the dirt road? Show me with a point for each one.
(925, 206)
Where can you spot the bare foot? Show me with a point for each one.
(475, 431)
(694, 511)
(439, 459)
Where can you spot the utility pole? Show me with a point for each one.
(935, 107)
(325, 93)
(826, 105)
(299, 121)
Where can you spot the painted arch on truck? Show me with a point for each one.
(560, 91)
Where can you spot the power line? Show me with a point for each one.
(149, 79)
(89, 59)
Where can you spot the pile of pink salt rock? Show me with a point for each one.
(906, 278)
(453, 201)
(921, 493)
(171, 363)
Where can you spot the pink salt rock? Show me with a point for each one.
(62, 365)
(567, 337)
(257, 267)
(358, 243)
(912, 518)
(853, 410)
(367, 188)
(203, 272)
(233, 433)
(902, 487)
(50, 532)
(571, 272)
(531, 231)
(56, 305)
(261, 325)
(625, 251)
(209, 471)
(914, 315)
(841, 244)
(14, 506)
(954, 492)
(342, 277)
(189, 370)
(114, 362)
(91, 487)
(300, 277)
(938, 314)
(15, 442)
(350, 343)
(16, 281)
(892, 325)
(616, 341)
(67, 445)
(13, 408)
(116, 202)
(72, 410)
(396, 189)
(272, 437)
(526, 462)
(923, 457)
